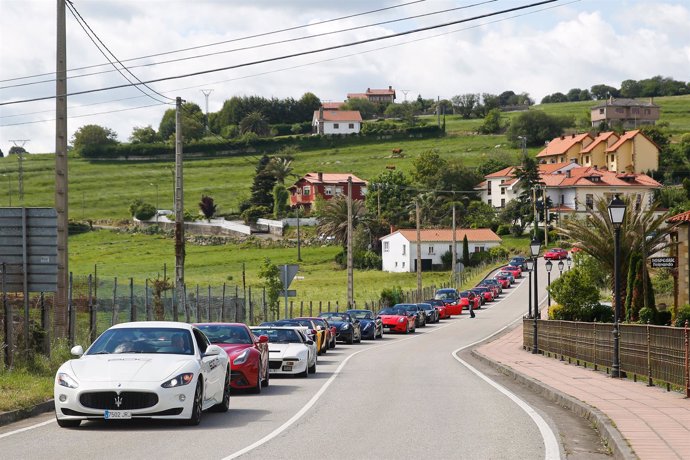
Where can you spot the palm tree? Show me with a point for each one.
(594, 235)
(333, 220)
(280, 168)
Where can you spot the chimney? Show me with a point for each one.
(573, 160)
(391, 88)
(320, 174)
(596, 168)
(562, 137)
(572, 135)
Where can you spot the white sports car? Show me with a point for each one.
(153, 369)
(289, 350)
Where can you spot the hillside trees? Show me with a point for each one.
(92, 136)
(16, 150)
(262, 187)
(538, 127)
(465, 104)
(192, 121)
(492, 123)
(255, 123)
(404, 111)
(390, 193)
(274, 110)
(145, 135)
(366, 108)
(601, 92)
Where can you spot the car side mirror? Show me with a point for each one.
(213, 350)
(310, 342)
(263, 339)
(77, 350)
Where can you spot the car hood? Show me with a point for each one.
(128, 368)
(338, 324)
(233, 348)
(391, 317)
(280, 350)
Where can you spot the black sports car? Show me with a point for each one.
(347, 327)
(370, 324)
(430, 311)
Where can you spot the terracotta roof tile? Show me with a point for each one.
(357, 96)
(624, 138)
(505, 172)
(603, 137)
(339, 115)
(682, 217)
(332, 105)
(443, 234)
(560, 145)
(387, 91)
(332, 178)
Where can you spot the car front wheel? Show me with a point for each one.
(195, 418)
(224, 405)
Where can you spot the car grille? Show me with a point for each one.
(127, 400)
(274, 364)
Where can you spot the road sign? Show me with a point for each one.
(287, 274)
(664, 262)
(290, 293)
(28, 248)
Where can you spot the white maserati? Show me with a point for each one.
(153, 369)
(289, 350)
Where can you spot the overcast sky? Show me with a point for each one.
(548, 48)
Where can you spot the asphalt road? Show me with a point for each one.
(405, 396)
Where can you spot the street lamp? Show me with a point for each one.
(617, 215)
(156, 185)
(569, 261)
(534, 247)
(561, 265)
(529, 287)
(549, 266)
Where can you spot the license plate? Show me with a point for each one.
(287, 368)
(117, 415)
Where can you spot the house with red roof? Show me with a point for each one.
(680, 235)
(375, 95)
(336, 121)
(399, 249)
(630, 113)
(303, 193)
(332, 105)
(630, 152)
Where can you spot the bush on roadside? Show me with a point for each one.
(141, 210)
(682, 316)
(253, 213)
(503, 229)
(647, 315)
(391, 296)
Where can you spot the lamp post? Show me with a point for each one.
(549, 266)
(529, 263)
(156, 185)
(534, 247)
(561, 265)
(569, 261)
(617, 215)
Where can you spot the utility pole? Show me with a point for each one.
(179, 208)
(20, 166)
(454, 251)
(536, 216)
(61, 184)
(419, 253)
(299, 241)
(546, 218)
(438, 110)
(405, 91)
(350, 280)
(206, 94)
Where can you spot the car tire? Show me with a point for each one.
(312, 368)
(224, 405)
(256, 389)
(304, 374)
(359, 339)
(350, 340)
(407, 329)
(265, 382)
(195, 418)
(63, 423)
(333, 343)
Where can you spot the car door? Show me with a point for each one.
(211, 367)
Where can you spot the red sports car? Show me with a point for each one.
(504, 280)
(397, 320)
(248, 354)
(467, 297)
(440, 306)
(515, 271)
(451, 299)
(556, 254)
(485, 292)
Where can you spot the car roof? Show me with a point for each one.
(153, 324)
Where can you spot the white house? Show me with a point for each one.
(399, 249)
(336, 121)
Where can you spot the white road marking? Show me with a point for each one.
(21, 430)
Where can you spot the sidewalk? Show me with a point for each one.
(637, 421)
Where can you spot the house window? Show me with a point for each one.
(479, 249)
(620, 110)
(647, 111)
(589, 201)
(306, 190)
(503, 190)
(362, 191)
(562, 199)
(404, 249)
(638, 202)
(386, 246)
(636, 110)
(336, 126)
(431, 250)
(396, 263)
(403, 265)
(351, 126)
(488, 201)
(503, 202)
(601, 111)
(488, 187)
(338, 190)
(328, 191)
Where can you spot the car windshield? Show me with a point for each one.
(446, 295)
(279, 335)
(362, 314)
(226, 333)
(295, 322)
(143, 340)
(464, 294)
(335, 316)
(392, 311)
(425, 306)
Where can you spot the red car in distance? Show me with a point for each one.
(450, 297)
(515, 271)
(440, 306)
(556, 254)
(247, 353)
(397, 320)
(467, 297)
(504, 280)
(484, 291)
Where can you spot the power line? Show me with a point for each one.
(288, 56)
(263, 34)
(263, 45)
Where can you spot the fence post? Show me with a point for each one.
(187, 313)
(93, 327)
(45, 321)
(264, 307)
(113, 319)
(291, 314)
(208, 315)
(237, 302)
(132, 307)
(320, 309)
(687, 367)
(650, 382)
(222, 306)
(337, 307)
(72, 314)
(311, 310)
(251, 308)
(301, 308)
(147, 307)
(329, 305)
(196, 303)
(595, 346)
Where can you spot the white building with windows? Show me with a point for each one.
(399, 249)
(336, 121)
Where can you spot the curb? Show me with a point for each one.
(607, 430)
(13, 416)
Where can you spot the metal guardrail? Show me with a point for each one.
(657, 354)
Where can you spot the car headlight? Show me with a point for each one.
(66, 380)
(180, 380)
(401, 320)
(242, 357)
(346, 327)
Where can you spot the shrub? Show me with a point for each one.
(447, 260)
(663, 318)
(682, 316)
(391, 296)
(478, 257)
(647, 315)
(556, 312)
(141, 210)
(498, 252)
(503, 229)
(253, 213)
(516, 230)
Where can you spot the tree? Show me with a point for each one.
(575, 293)
(16, 150)
(255, 123)
(270, 274)
(465, 251)
(479, 215)
(631, 89)
(464, 104)
(1, 154)
(492, 123)
(427, 168)
(366, 108)
(601, 92)
(492, 165)
(574, 95)
(333, 220)
(306, 106)
(280, 168)
(191, 119)
(207, 207)
(595, 234)
(280, 200)
(145, 135)
(390, 191)
(93, 135)
(538, 127)
(404, 111)
(262, 187)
